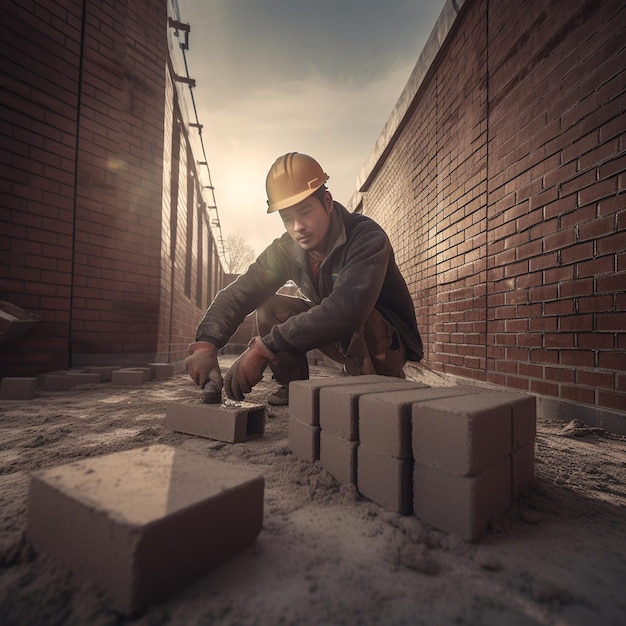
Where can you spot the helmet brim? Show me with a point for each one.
(289, 202)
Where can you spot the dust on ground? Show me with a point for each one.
(326, 555)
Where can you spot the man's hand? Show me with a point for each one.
(202, 365)
(248, 369)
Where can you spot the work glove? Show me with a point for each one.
(248, 369)
(202, 365)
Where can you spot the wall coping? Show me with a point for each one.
(395, 122)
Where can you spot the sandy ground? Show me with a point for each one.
(325, 554)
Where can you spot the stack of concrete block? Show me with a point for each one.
(385, 453)
(463, 451)
(304, 412)
(339, 423)
(455, 456)
(161, 371)
(145, 523)
(17, 388)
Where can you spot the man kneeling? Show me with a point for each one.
(353, 303)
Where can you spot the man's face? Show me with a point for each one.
(308, 222)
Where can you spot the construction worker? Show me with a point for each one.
(353, 304)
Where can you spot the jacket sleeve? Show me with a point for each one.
(356, 288)
(233, 303)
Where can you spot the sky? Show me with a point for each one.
(277, 76)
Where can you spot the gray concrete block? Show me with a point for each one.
(161, 371)
(523, 469)
(462, 435)
(41, 378)
(304, 440)
(338, 457)
(145, 523)
(338, 406)
(524, 417)
(462, 505)
(145, 371)
(16, 388)
(105, 371)
(128, 377)
(67, 380)
(385, 418)
(315, 357)
(385, 479)
(232, 423)
(304, 394)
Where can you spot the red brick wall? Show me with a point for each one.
(87, 106)
(119, 179)
(38, 108)
(503, 193)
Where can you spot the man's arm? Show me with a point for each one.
(227, 312)
(233, 303)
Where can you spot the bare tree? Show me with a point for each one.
(238, 254)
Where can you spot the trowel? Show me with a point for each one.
(211, 394)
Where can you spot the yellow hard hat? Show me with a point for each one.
(291, 179)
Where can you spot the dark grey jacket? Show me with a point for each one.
(358, 274)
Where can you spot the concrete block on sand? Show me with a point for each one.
(304, 394)
(384, 479)
(233, 422)
(385, 418)
(128, 377)
(339, 406)
(105, 371)
(462, 505)
(145, 523)
(17, 388)
(338, 457)
(304, 440)
(145, 371)
(161, 371)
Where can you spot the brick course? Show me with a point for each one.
(339, 405)
(304, 394)
(385, 418)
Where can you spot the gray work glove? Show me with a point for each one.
(202, 365)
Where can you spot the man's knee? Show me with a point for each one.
(276, 310)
